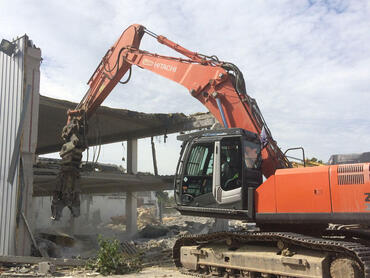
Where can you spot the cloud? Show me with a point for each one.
(306, 62)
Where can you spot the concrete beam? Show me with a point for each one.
(101, 182)
(123, 124)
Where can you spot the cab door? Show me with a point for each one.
(227, 180)
(197, 177)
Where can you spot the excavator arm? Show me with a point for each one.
(217, 85)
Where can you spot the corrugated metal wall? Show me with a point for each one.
(17, 73)
(11, 86)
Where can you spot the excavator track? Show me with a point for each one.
(341, 251)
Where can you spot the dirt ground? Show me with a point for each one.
(152, 272)
(158, 272)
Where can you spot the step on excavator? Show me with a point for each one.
(235, 172)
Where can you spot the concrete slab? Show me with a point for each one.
(101, 182)
(110, 125)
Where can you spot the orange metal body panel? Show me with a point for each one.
(297, 190)
(303, 190)
(266, 197)
(350, 185)
(322, 189)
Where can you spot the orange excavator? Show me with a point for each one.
(236, 172)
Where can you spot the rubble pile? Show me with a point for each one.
(41, 269)
(26, 270)
(155, 241)
(146, 216)
(157, 252)
(153, 231)
(152, 244)
(116, 227)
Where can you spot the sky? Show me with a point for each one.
(307, 63)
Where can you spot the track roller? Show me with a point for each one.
(345, 268)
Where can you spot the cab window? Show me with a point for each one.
(252, 155)
(231, 177)
(197, 179)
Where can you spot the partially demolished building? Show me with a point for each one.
(31, 125)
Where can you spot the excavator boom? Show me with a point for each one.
(217, 85)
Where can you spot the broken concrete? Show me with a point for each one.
(97, 179)
(45, 268)
(123, 124)
(154, 243)
(36, 260)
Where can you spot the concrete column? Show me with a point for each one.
(132, 156)
(131, 197)
(131, 213)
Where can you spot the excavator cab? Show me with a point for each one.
(217, 172)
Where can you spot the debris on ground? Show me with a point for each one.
(151, 231)
(111, 260)
(146, 216)
(116, 227)
(26, 270)
(118, 219)
(16, 266)
(150, 247)
(45, 268)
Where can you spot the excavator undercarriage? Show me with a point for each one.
(272, 254)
